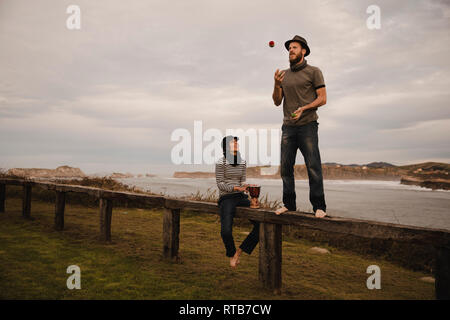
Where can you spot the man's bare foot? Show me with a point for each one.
(281, 211)
(320, 213)
(234, 261)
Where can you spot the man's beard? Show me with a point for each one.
(296, 60)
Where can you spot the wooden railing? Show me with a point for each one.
(270, 245)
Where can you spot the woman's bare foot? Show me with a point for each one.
(234, 261)
(320, 213)
(281, 211)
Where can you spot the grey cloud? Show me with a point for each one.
(139, 71)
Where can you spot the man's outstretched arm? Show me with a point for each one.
(277, 95)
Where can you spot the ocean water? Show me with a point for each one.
(385, 201)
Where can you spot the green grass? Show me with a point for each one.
(34, 259)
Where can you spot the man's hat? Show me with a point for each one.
(301, 40)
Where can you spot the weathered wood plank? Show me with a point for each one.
(171, 232)
(270, 241)
(356, 227)
(249, 213)
(2, 197)
(12, 182)
(96, 192)
(153, 201)
(45, 185)
(105, 219)
(202, 206)
(211, 207)
(442, 274)
(270, 234)
(79, 189)
(361, 228)
(26, 201)
(59, 210)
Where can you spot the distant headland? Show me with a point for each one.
(432, 175)
(65, 172)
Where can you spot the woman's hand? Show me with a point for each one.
(240, 189)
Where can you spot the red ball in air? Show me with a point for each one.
(271, 44)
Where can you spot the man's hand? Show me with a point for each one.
(279, 76)
(298, 113)
(241, 189)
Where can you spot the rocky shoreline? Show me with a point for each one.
(39, 173)
(64, 172)
(431, 175)
(434, 184)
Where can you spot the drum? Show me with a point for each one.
(254, 191)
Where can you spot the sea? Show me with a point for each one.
(372, 200)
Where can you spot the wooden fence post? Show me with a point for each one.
(171, 232)
(442, 274)
(2, 197)
(59, 210)
(26, 201)
(270, 238)
(105, 219)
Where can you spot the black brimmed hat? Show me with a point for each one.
(301, 40)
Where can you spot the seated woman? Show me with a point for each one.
(230, 176)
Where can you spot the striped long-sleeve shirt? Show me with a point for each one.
(228, 176)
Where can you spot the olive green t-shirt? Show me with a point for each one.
(299, 89)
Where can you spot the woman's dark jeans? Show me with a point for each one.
(227, 211)
(306, 139)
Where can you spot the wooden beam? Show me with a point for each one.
(171, 233)
(270, 228)
(2, 197)
(270, 238)
(13, 182)
(26, 201)
(153, 201)
(105, 219)
(361, 228)
(442, 274)
(201, 206)
(59, 210)
(79, 189)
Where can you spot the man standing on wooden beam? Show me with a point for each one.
(302, 90)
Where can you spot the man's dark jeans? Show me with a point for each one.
(227, 211)
(306, 139)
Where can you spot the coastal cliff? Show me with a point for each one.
(329, 171)
(60, 172)
(196, 174)
(64, 172)
(432, 175)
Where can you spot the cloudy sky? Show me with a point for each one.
(107, 97)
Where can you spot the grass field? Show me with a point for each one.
(34, 259)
